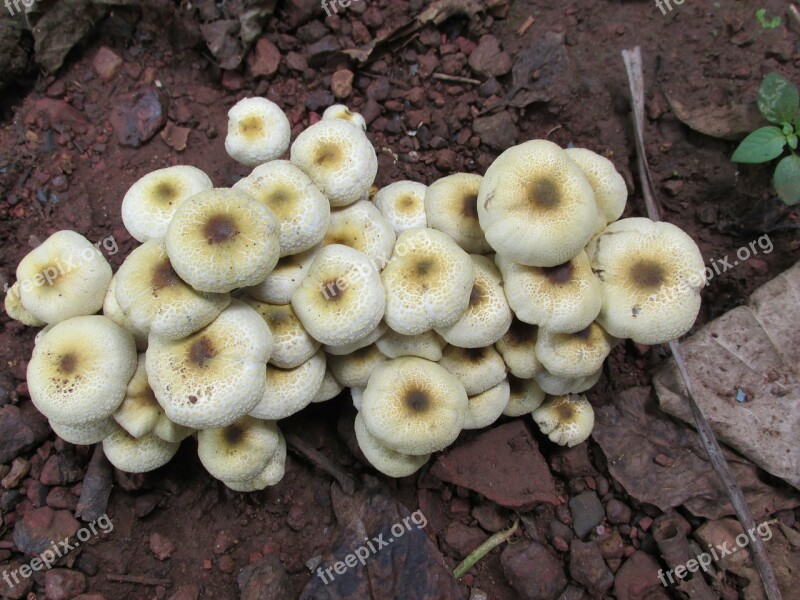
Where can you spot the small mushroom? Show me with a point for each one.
(289, 391)
(284, 279)
(402, 204)
(329, 389)
(610, 191)
(340, 111)
(170, 431)
(292, 345)
(478, 369)
(525, 396)
(383, 458)
(138, 455)
(428, 345)
(517, 347)
(242, 450)
(354, 370)
(16, 311)
(113, 311)
(258, 131)
(271, 475)
(140, 410)
(357, 394)
(573, 355)
(485, 408)
(361, 226)
(373, 337)
(555, 385)
(451, 205)
(85, 434)
(566, 420)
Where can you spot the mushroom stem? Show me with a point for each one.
(484, 549)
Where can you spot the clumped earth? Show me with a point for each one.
(143, 90)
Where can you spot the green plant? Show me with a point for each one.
(779, 102)
(761, 15)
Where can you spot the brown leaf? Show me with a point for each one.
(725, 122)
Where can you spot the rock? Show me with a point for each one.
(637, 579)
(618, 512)
(91, 597)
(19, 469)
(302, 11)
(161, 547)
(497, 131)
(462, 539)
(572, 462)
(175, 137)
(61, 469)
(96, 487)
(137, 117)
(20, 430)
(60, 114)
(587, 567)
(611, 545)
(265, 58)
(533, 571)
(63, 584)
(319, 99)
(17, 587)
(186, 592)
(587, 512)
(490, 517)
(296, 61)
(488, 59)
(60, 498)
(319, 52)
(342, 83)
(379, 89)
(264, 580)
(40, 527)
(312, 32)
(106, 63)
(573, 593)
(446, 160)
(233, 81)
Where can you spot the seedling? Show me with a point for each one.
(779, 102)
(761, 15)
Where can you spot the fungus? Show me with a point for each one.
(85, 434)
(240, 450)
(329, 389)
(16, 311)
(402, 204)
(573, 355)
(559, 386)
(284, 279)
(362, 227)
(354, 370)
(610, 191)
(485, 408)
(427, 345)
(271, 475)
(292, 345)
(478, 369)
(383, 458)
(340, 111)
(451, 206)
(138, 455)
(289, 391)
(524, 397)
(566, 420)
(517, 349)
(258, 131)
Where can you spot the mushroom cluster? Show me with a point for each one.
(441, 307)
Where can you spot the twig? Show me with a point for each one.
(484, 549)
(139, 580)
(794, 12)
(320, 460)
(633, 65)
(526, 25)
(455, 79)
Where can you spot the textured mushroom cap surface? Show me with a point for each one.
(64, 277)
(488, 315)
(559, 386)
(362, 227)
(413, 406)
(155, 299)
(241, 450)
(139, 410)
(170, 431)
(222, 240)
(341, 300)
(610, 191)
(428, 282)
(16, 311)
(87, 433)
(428, 345)
(150, 203)
(651, 274)
(536, 206)
(525, 396)
(477, 369)
(566, 420)
(573, 355)
(80, 369)
(271, 475)
(340, 111)
(113, 311)
(289, 391)
(517, 347)
(258, 131)
(485, 408)
(451, 206)
(565, 298)
(339, 159)
(402, 204)
(138, 455)
(353, 370)
(284, 279)
(363, 342)
(383, 458)
(329, 389)
(292, 345)
(302, 209)
(216, 375)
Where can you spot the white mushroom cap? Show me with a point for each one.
(414, 406)
(216, 375)
(559, 386)
(517, 349)
(170, 431)
(86, 434)
(354, 370)
(155, 299)
(566, 420)
(292, 344)
(488, 315)
(150, 203)
(381, 329)
(339, 159)
(64, 277)
(138, 455)
(361, 226)
(525, 396)
(16, 311)
(451, 206)
(478, 369)
(329, 389)
(302, 210)
(565, 298)
(428, 282)
(610, 191)
(139, 410)
(536, 206)
(223, 239)
(290, 390)
(79, 370)
(383, 458)
(341, 300)
(258, 131)
(428, 345)
(651, 274)
(573, 355)
(271, 475)
(485, 408)
(402, 204)
(340, 111)
(241, 450)
(357, 394)
(113, 311)
(285, 278)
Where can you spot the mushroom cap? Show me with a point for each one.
(302, 210)
(16, 311)
(258, 131)
(610, 191)
(362, 227)
(340, 111)
(451, 206)
(86, 434)
(150, 203)
(241, 450)
(485, 408)
(271, 475)
(517, 347)
(215, 375)
(138, 455)
(155, 299)
(64, 277)
(222, 240)
(565, 298)
(292, 345)
(413, 406)
(428, 282)
(558, 386)
(566, 420)
(139, 410)
(290, 390)
(651, 274)
(536, 206)
(80, 369)
(113, 311)
(488, 315)
(478, 369)
(354, 370)
(427, 345)
(329, 389)
(284, 279)
(341, 300)
(573, 355)
(357, 394)
(379, 331)
(383, 458)
(402, 204)
(339, 159)
(525, 396)
(170, 431)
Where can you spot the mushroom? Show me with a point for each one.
(428, 282)
(402, 204)
(451, 206)
(340, 111)
(292, 346)
(525, 396)
(16, 311)
(536, 206)
(271, 475)
(485, 408)
(566, 420)
(478, 369)
(354, 370)
(113, 311)
(85, 434)
(426, 345)
(140, 410)
(329, 389)
(150, 203)
(356, 394)
(559, 386)
(361, 226)
(573, 355)
(241, 450)
(517, 349)
(170, 431)
(284, 279)
(610, 191)
(64, 277)
(289, 391)
(413, 406)
(138, 455)
(222, 240)
(258, 131)
(380, 330)
(383, 458)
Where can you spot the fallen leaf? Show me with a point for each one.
(731, 122)
(547, 57)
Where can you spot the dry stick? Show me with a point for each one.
(321, 461)
(794, 12)
(139, 580)
(484, 549)
(633, 65)
(526, 25)
(455, 79)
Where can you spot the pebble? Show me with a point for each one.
(342, 83)
(63, 584)
(265, 58)
(224, 541)
(587, 512)
(60, 470)
(490, 516)
(587, 567)
(136, 117)
(446, 160)
(19, 469)
(618, 512)
(319, 52)
(533, 571)
(489, 59)
(497, 131)
(186, 592)
(296, 61)
(106, 63)
(638, 578)
(20, 431)
(462, 539)
(264, 580)
(319, 99)
(379, 89)
(161, 547)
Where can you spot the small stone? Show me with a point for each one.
(587, 567)
(161, 547)
(497, 131)
(264, 580)
(618, 512)
(20, 431)
(226, 564)
(587, 512)
(18, 589)
(490, 517)
(533, 571)
(462, 539)
(60, 498)
(186, 592)
(319, 52)
(342, 83)
(61, 470)
(265, 58)
(488, 59)
(446, 160)
(106, 63)
(224, 541)
(233, 81)
(296, 61)
(319, 99)
(673, 187)
(379, 89)
(136, 117)
(175, 136)
(638, 578)
(19, 469)
(39, 527)
(63, 584)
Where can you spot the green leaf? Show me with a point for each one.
(787, 180)
(760, 146)
(778, 99)
(761, 15)
(792, 140)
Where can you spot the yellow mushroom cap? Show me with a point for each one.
(340, 111)
(478, 369)
(290, 390)
(258, 131)
(573, 355)
(610, 191)
(525, 396)
(485, 408)
(222, 240)
(559, 386)
(362, 227)
(302, 210)
(64, 277)
(536, 206)
(402, 204)
(85, 434)
(381, 329)
(565, 298)
(339, 159)
(413, 406)
(292, 345)
(216, 375)
(329, 389)
(138, 455)
(139, 410)
(155, 299)
(271, 475)
(341, 300)
(16, 311)
(241, 450)
(80, 368)
(566, 420)
(354, 370)
(150, 203)
(285, 278)
(651, 274)
(488, 315)
(113, 311)
(517, 349)
(428, 282)
(169, 431)
(427, 345)
(383, 458)
(451, 206)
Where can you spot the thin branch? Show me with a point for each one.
(455, 79)
(139, 580)
(484, 549)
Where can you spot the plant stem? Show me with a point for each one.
(484, 549)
